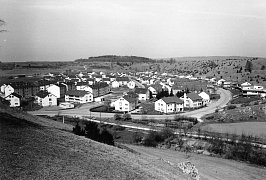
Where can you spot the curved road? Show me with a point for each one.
(225, 97)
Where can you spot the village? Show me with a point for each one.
(139, 93)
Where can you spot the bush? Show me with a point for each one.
(92, 131)
(166, 133)
(117, 116)
(127, 117)
(137, 137)
(231, 107)
(106, 137)
(152, 139)
(78, 130)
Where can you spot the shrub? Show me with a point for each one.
(152, 139)
(106, 137)
(166, 133)
(117, 116)
(231, 107)
(126, 117)
(137, 137)
(78, 130)
(92, 131)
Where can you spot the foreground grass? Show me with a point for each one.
(39, 148)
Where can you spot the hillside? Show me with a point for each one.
(37, 148)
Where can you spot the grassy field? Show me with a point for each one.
(39, 148)
(208, 167)
(249, 128)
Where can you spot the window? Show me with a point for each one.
(120, 103)
(50, 99)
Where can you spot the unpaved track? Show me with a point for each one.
(209, 167)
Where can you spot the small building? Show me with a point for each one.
(115, 84)
(8, 90)
(192, 100)
(78, 96)
(44, 98)
(54, 89)
(66, 105)
(131, 84)
(143, 94)
(169, 105)
(14, 99)
(125, 104)
(205, 98)
(122, 80)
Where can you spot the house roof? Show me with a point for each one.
(172, 99)
(140, 90)
(129, 99)
(79, 93)
(194, 96)
(15, 94)
(99, 85)
(42, 94)
(157, 87)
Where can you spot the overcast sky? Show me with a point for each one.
(70, 29)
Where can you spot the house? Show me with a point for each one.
(107, 80)
(143, 94)
(83, 86)
(78, 96)
(115, 84)
(14, 99)
(192, 100)
(100, 89)
(246, 84)
(125, 104)
(44, 98)
(169, 105)
(205, 98)
(253, 91)
(8, 90)
(55, 90)
(122, 80)
(220, 82)
(155, 89)
(131, 84)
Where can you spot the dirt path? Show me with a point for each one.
(209, 167)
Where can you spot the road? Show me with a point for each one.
(225, 97)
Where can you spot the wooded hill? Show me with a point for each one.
(114, 58)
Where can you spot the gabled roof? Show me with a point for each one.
(194, 96)
(172, 99)
(129, 99)
(141, 90)
(42, 94)
(79, 93)
(15, 94)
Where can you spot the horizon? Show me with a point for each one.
(39, 30)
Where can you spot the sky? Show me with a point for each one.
(62, 30)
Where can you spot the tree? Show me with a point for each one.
(248, 66)
(78, 130)
(106, 137)
(2, 23)
(262, 67)
(126, 117)
(92, 131)
(117, 116)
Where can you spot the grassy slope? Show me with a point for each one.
(43, 149)
(208, 167)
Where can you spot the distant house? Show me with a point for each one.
(8, 90)
(205, 98)
(106, 80)
(253, 91)
(78, 96)
(246, 84)
(55, 90)
(192, 100)
(155, 89)
(83, 86)
(44, 98)
(131, 84)
(143, 94)
(115, 84)
(169, 105)
(125, 104)
(100, 89)
(14, 99)
(220, 82)
(122, 80)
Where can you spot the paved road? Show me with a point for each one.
(84, 110)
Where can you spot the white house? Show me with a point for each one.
(143, 94)
(115, 84)
(8, 90)
(220, 82)
(78, 96)
(3, 88)
(192, 100)
(246, 84)
(44, 98)
(14, 99)
(84, 87)
(55, 90)
(122, 80)
(131, 84)
(169, 105)
(205, 98)
(125, 104)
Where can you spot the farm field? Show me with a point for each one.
(208, 167)
(249, 128)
